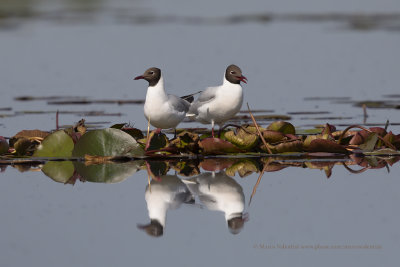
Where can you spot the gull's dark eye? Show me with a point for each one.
(151, 72)
(232, 72)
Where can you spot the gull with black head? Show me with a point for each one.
(162, 110)
(218, 104)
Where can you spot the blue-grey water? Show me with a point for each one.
(93, 50)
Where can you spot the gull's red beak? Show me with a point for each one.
(139, 77)
(242, 78)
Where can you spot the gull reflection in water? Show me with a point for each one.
(165, 192)
(219, 192)
(216, 191)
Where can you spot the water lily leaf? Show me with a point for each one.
(282, 126)
(379, 130)
(3, 145)
(369, 143)
(58, 144)
(157, 141)
(29, 134)
(383, 151)
(359, 138)
(186, 141)
(329, 129)
(324, 145)
(285, 147)
(109, 172)
(273, 136)
(242, 139)
(59, 171)
(393, 139)
(309, 139)
(118, 126)
(25, 146)
(107, 142)
(134, 132)
(309, 131)
(216, 146)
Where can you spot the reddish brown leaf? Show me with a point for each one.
(215, 146)
(324, 145)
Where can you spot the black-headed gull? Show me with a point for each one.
(218, 104)
(161, 110)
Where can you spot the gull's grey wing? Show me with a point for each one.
(190, 98)
(205, 96)
(178, 103)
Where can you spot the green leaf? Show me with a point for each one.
(58, 144)
(282, 126)
(241, 139)
(273, 136)
(108, 172)
(134, 132)
(3, 145)
(369, 143)
(286, 147)
(383, 152)
(157, 141)
(309, 131)
(107, 142)
(118, 126)
(59, 171)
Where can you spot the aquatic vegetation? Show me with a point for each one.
(279, 137)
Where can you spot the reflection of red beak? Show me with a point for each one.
(242, 78)
(139, 77)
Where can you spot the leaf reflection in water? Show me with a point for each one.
(209, 183)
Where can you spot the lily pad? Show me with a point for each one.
(28, 134)
(3, 145)
(393, 139)
(242, 139)
(273, 136)
(369, 143)
(58, 144)
(24, 146)
(107, 142)
(157, 141)
(134, 132)
(324, 145)
(216, 146)
(186, 141)
(286, 147)
(383, 152)
(282, 126)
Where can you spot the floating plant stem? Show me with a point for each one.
(258, 130)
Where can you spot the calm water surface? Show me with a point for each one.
(93, 51)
